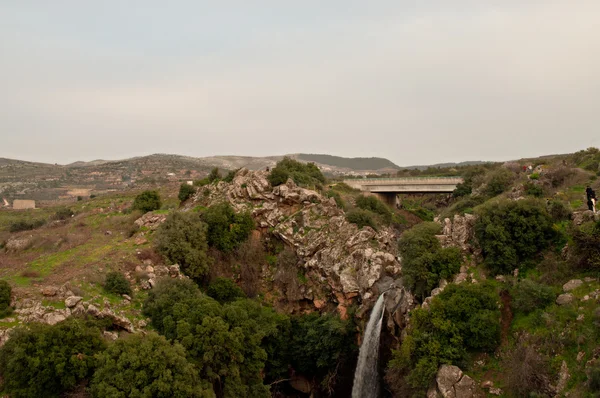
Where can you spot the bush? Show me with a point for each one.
(586, 246)
(534, 190)
(511, 233)
(117, 283)
(63, 214)
(185, 192)
(463, 189)
(25, 225)
(424, 261)
(559, 210)
(5, 295)
(337, 197)
(147, 201)
(305, 174)
(527, 296)
(498, 181)
(230, 176)
(226, 229)
(224, 290)
(46, 361)
(202, 182)
(526, 371)
(181, 239)
(375, 205)
(362, 218)
(146, 366)
(463, 318)
(214, 175)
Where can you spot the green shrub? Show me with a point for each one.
(463, 318)
(586, 246)
(362, 218)
(214, 175)
(498, 181)
(202, 182)
(5, 294)
(185, 192)
(63, 214)
(594, 379)
(223, 341)
(337, 197)
(528, 296)
(117, 283)
(424, 261)
(375, 205)
(146, 366)
(305, 174)
(559, 210)
(147, 201)
(224, 290)
(181, 239)
(463, 189)
(226, 228)
(46, 361)
(534, 190)
(230, 176)
(25, 225)
(511, 233)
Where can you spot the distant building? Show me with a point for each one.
(23, 204)
(190, 183)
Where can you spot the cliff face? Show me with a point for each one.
(341, 263)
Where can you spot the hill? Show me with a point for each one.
(355, 164)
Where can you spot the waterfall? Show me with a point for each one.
(366, 376)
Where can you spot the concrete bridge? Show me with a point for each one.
(388, 188)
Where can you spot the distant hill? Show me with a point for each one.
(445, 165)
(355, 164)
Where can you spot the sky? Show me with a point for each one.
(417, 82)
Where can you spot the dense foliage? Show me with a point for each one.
(117, 283)
(498, 181)
(375, 205)
(147, 201)
(586, 246)
(424, 261)
(214, 175)
(25, 225)
(362, 218)
(305, 174)
(44, 361)
(226, 228)
(224, 341)
(528, 296)
(464, 318)
(224, 290)
(144, 367)
(510, 233)
(185, 192)
(5, 294)
(181, 239)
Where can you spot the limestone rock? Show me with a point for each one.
(572, 285)
(451, 382)
(112, 336)
(580, 217)
(563, 377)
(150, 220)
(53, 318)
(72, 301)
(465, 388)
(49, 291)
(565, 299)
(17, 244)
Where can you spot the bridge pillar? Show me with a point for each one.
(389, 198)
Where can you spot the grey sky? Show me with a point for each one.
(434, 82)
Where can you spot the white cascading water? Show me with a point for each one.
(366, 376)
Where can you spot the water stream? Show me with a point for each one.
(366, 376)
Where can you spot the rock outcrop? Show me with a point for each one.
(458, 232)
(451, 382)
(342, 262)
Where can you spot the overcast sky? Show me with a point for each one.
(414, 81)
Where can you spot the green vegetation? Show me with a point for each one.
(304, 174)
(181, 239)
(214, 175)
(462, 319)
(230, 176)
(498, 181)
(226, 228)
(146, 366)
(424, 261)
(185, 192)
(45, 361)
(147, 201)
(362, 218)
(117, 283)
(5, 295)
(528, 296)
(586, 246)
(63, 214)
(349, 163)
(224, 290)
(25, 225)
(373, 204)
(512, 233)
(534, 190)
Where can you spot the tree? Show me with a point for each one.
(147, 201)
(45, 361)
(362, 218)
(214, 175)
(224, 290)
(185, 192)
(226, 228)
(424, 261)
(182, 240)
(305, 174)
(146, 366)
(5, 295)
(373, 204)
(117, 283)
(512, 233)
(499, 181)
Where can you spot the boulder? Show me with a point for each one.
(112, 336)
(447, 377)
(565, 299)
(53, 318)
(49, 291)
(301, 383)
(72, 301)
(572, 285)
(17, 244)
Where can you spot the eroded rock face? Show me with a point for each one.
(341, 261)
(451, 382)
(150, 220)
(458, 232)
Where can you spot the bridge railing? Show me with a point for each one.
(408, 179)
